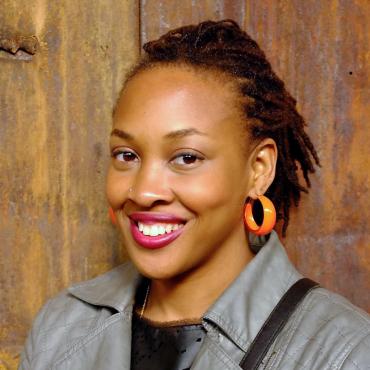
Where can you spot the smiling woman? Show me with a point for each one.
(196, 150)
(204, 134)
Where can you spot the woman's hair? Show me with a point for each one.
(270, 111)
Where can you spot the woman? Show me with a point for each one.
(204, 133)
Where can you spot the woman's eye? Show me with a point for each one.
(125, 156)
(186, 159)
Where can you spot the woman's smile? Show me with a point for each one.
(155, 230)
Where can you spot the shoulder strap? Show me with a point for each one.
(275, 323)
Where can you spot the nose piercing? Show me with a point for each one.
(130, 190)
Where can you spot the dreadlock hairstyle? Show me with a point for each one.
(269, 110)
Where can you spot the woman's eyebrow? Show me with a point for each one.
(122, 134)
(178, 134)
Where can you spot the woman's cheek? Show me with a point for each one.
(202, 193)
(115, 187)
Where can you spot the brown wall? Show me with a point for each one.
(55, 112)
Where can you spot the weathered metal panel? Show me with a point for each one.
(321, 50)
(55, 117)
(159, 16)
(55, 112)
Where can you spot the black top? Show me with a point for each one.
(164, 346)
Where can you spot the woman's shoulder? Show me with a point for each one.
(325, 330)
(75, 312)
(333, 307)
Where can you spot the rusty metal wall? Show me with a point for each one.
(55, 122)
(55, 110)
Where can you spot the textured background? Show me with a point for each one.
(55, 112)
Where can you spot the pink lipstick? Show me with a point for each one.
(150, 218)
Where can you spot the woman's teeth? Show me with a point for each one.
(158, 229)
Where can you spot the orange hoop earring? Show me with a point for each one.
(269, 216)
(112, 216)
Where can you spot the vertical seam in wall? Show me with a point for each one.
(139, 26)
(65, 153)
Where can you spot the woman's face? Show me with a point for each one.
(179, 158)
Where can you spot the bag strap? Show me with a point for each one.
(275, 323)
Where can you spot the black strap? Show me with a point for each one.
(275, 323)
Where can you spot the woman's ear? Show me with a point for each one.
(263, 166)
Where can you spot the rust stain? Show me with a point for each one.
(12, 44)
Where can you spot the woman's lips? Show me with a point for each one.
(150, 218)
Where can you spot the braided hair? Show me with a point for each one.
(269, 110)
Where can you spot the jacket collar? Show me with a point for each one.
(116, 288)
(239, 312)
(243, 308)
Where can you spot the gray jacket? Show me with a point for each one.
(89, 325)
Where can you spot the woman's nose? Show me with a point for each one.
(150, 186)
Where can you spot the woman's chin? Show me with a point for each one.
(157, 269)
(159, 263)
(157, 274)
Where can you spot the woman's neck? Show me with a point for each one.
(190, 295)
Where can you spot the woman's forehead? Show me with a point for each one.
(177, 93)
(164, 106)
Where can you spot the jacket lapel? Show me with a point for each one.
(115, 289)
(107, 347)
